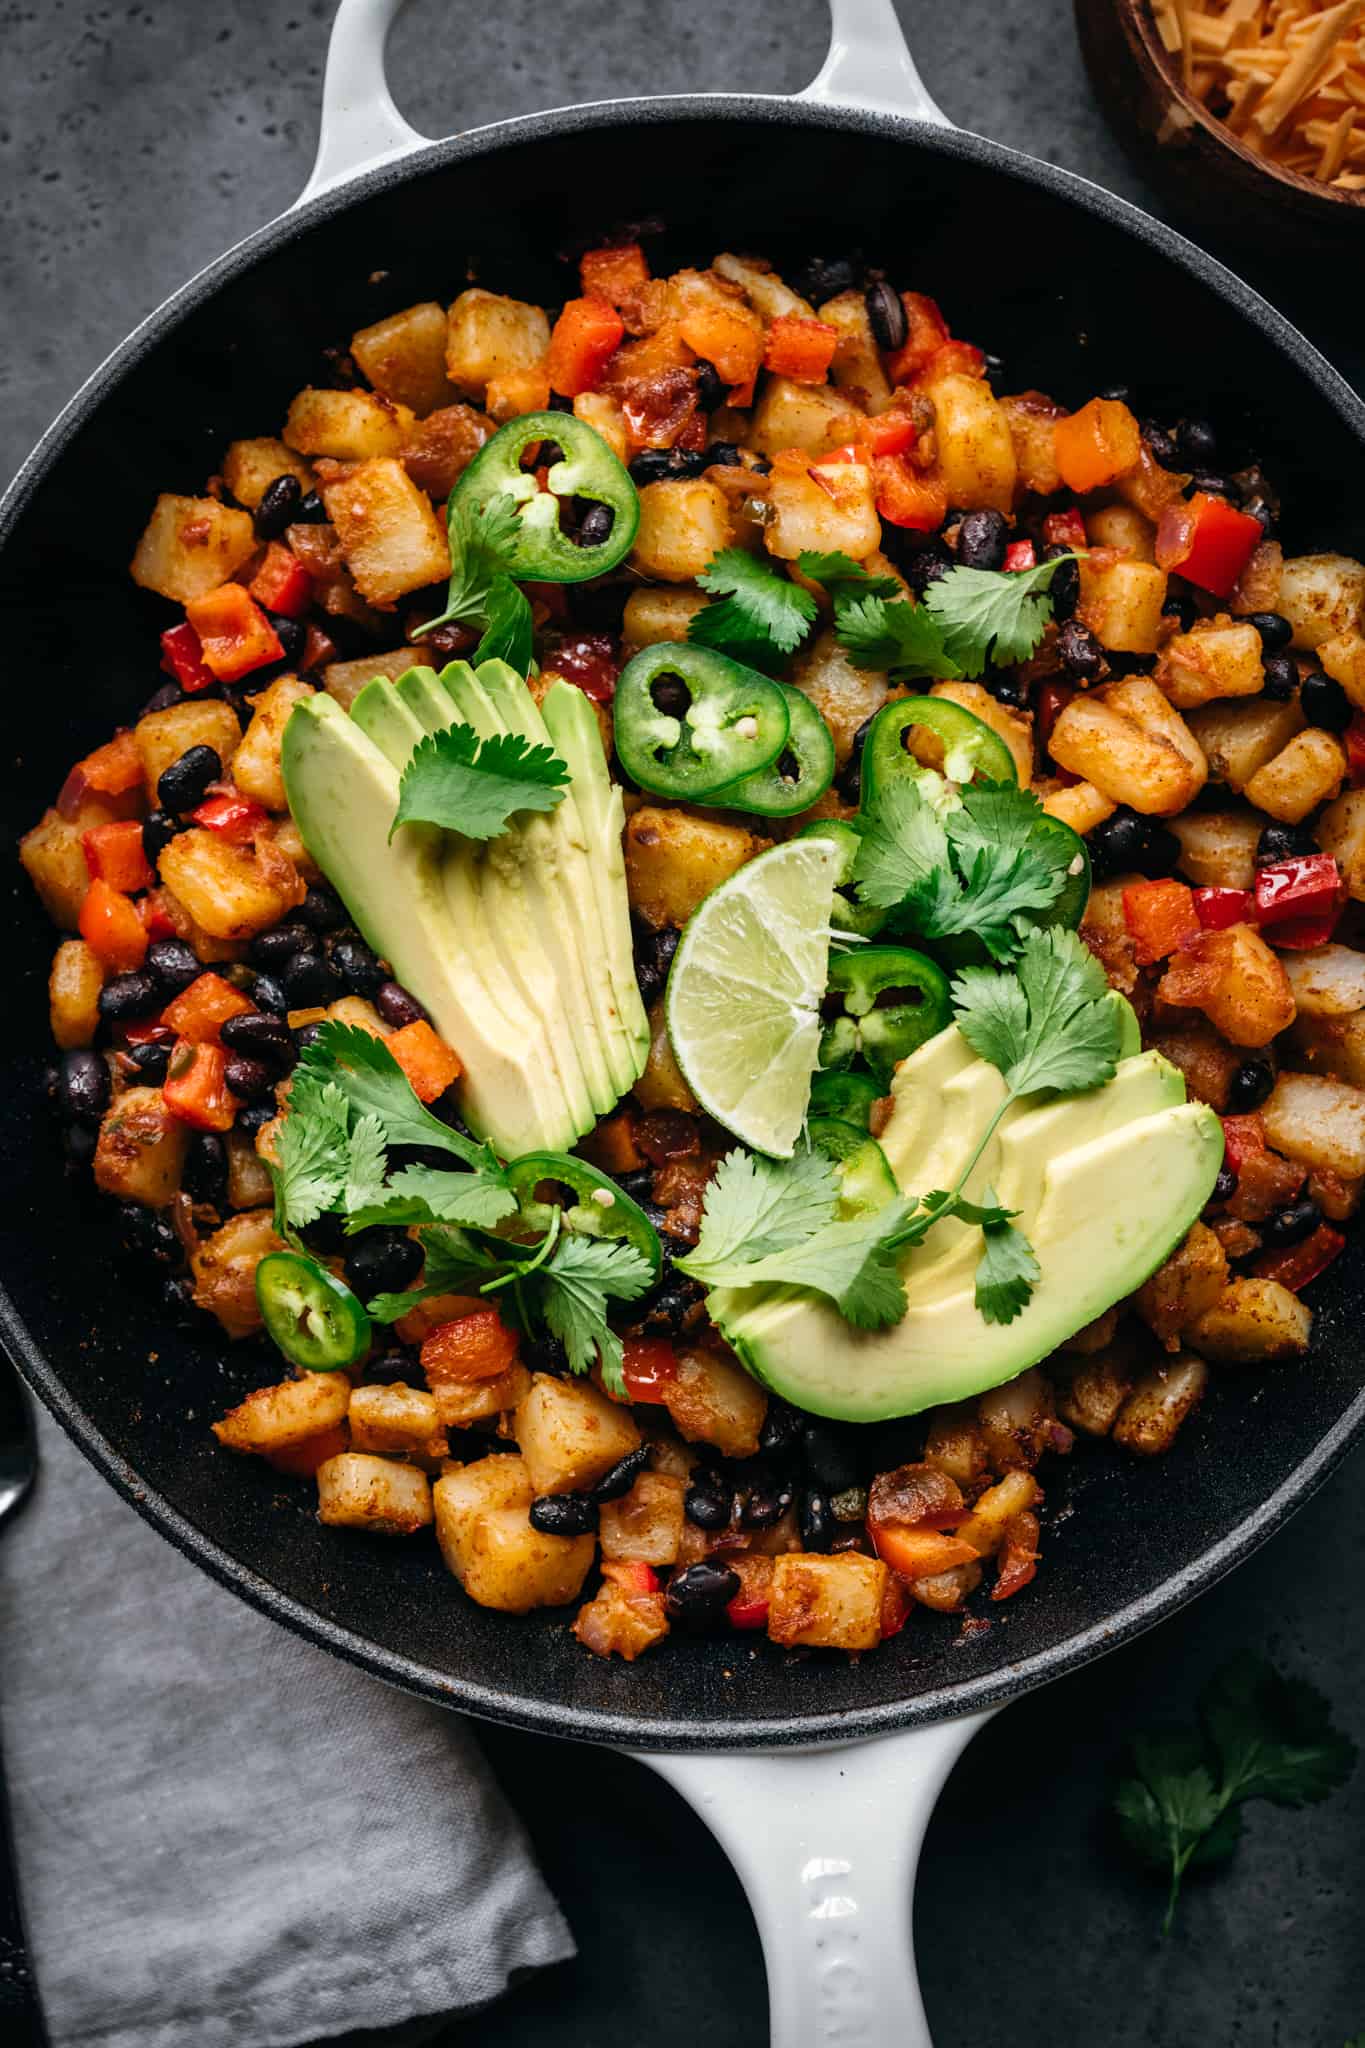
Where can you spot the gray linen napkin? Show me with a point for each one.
(226, 1838)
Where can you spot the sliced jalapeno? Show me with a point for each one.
(311, 1315)
(690, 722)
(865, 1179)
(598, 1208)
(844, 1094)
(970, 748)
(803, 770)
(586, 469)
(849, 915)
(1069, 908)
(894, 1000)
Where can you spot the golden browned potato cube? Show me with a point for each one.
(1128, 741)
(713, 1401)
(1343, 657)
(487, 1541)
(250, 467)
(256, 763)
(356, 1491)
(1327, 981)
(683, 523)
(995, 1509)
(646, 1524)
(1015, 728)
(273, 1418)
(232, 891)
(461, 1403)
(1215, 659)
(391, 537)
(345, 680)
(191, 545)
(350, 426)
(1257, 1322)
(1015, 1421)
(224, 1272)
(617, 1623)
(249, 1182)
(1218, 848)
(1257, 589)
(827, 1603)
(652, 616)
(955, 1445)
(570, 1435)
(1090, 1397)
(1237, 739)
(141, 1149)
(1318, 1120)
(396, 1419)
(1238, 983)
(1332, 1045)
(808, 416)
(857, 365)
(661, 1085)
(976, 460)
(54, 860)
(947, 1592)
(1124, 527)
(673, 859)
(1341, 831)
(1206, 1060)
(831, 506)
(1191, 1280)
(1302, 775)
(763, 288)
(1322, 595)
(489, 336)
(1032, 420)
(163, 736)
(404, 357)
(600, 411)
(1121, 603)
(844, 696)
(73, 994)
(1077, 804)
(1161, 1400)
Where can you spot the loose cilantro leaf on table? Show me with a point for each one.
(758, 608)
(992, 615)
(903, 638)
(474, 786)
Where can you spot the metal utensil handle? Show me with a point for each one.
(868, 67)
(21, 2018)
(826, 1843)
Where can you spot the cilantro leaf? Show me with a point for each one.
(455, 1264)
(986, 615)
(509, 631)
(424, 1194)
(572, 1291)
(1007, 1271)
(366, 1163)
(483, 545)
(837, 571)
(902, 637)
(852, 1261)
(1050, 1027)
(758, 606)
(474, 786)
(311, 1156)
(368, 1077)
(903, 848)
(757, 1206)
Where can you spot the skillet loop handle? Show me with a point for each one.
(360, 126)
(869, 66)
(826, 1843)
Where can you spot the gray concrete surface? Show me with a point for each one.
(137, 141)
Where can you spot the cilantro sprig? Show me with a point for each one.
(1262, 1736)
(475, 786)
(968, 619)
(758, 612)
(483, 540)
(900, 637)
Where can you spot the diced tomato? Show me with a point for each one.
(319, 648)
(1307, 886)
(649, 1365)
(613, 274)
(1064, 529)
(906, 498)
(927, 332)
(591, 661)
(1020, 555)
(586, 336)
(113, 854)
(1243, 1139)
(1354, 738)
(115, 769)
(1217, 909)
(231, 815)
(800, 349)
(425, 1058)
(919, 1553)
(234, 632)
(1295, 1267)
(301, 1460)
(1208, 541)
(1093, 446)
(478, 1346)
(182, 656)
(195, 1088)
(112, 929)
(633, 1577)
(1161, 918)
(1053, 699)
(890, 433)
(200, 1011)
(952, 359)
(282, 584)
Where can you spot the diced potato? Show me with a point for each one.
(392, 539)
(205, 947)
(947, 1592)
(460, 1403)
(808, 416)
(1015, 1421)
(256, 763)
(954, 1444)
(827, 1603)
(1238, 983)
(404, 357)
(713, 1401)
(356, 1491)
(1161, 1400)
(1257, 589)
(621, 1623)
(1206, 1060)
(1122, 526)
(1096, 1335)
(1015, 728)
(396, 1419)
(1257, 1322)
(1077, 804)
(1090, 1397)
(1343, 657)
(1217, 658)
(273, 1418)
(655, 615)
(224, 1271)
(1128, 741)
(1121, 603)
(1149, 487)
(190, 546)
(1341, 831)
(54, 861)
(249, 1182)
(345, 680)
(646, 1524)
(141, 1149)
(600, 411)
(489, 336)
(1191, 1280)
(827, 506)
(1218, 848)
(1302, 775)
(350, 426)
(976, 462)
(356, 1011)
(845, 696)
(570, 1435)
(163, 736)
(1327, 981)
(73, 994)
(232, 891)
(661, 1085)
(996, 1508)
(1336, 1194)
(250, 467)
(763, 288)
(487, 1540)
(441, 447)
(1105, 931)
(683, 523)
(1318, 1120)
(1237, 739)
(673, 859)
(1322, 595)
(1032, 420)
(857, 365)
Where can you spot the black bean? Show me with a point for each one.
(158, 830)
(325, 1234)
(260, 1038)
(982, 539)
(452, 641)
(1249, 1086)
(817, 1523)
(322, 910)
(274, 948)
(1081, 651)
(396, 1006)
(615, 1484)
(542, 1353)
(162, 699)
(1281, 677)
(254, 1116)
(1290, 1225)
(394, 1368)
(824, 277)
(1196, 443)
(267, 994)
(829, 1458)
(1273, 627)
(311, 512)
(83, 1087)
(699, 1596)
(1065, 587)
(279, 506)
(204, 1174)
(1180, 606)
(886, 316)
(306, 1035)
(248, 1079)
(186, 782)
(382, 1261)
(1161, 445)
(1126, 843)
(781, 1431)
(710, 387)
(564, 1514)
(596, 528)
(135, 1226)
(129, 996)
(163, 1244)
(761, 1506)
(1211, 485)
(707, 1505)
(78, 1143)
(1283, 842)
(661, 465)
(174, 963)
(1225, 1187)
(849, 781)
(1007, 688)
(653, 958)
(308, 980)
(1323, 702)
(638, 1183)
(1119, 394)
(724, 455)
(151, 1061)
(924, 564)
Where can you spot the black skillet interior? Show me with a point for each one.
(1072, 303)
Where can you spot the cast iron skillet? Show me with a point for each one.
(1075, 289)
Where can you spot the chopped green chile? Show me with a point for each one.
(894, 1000)
(589, 470)
(866, 1181)
(691, 723)
(802, 772)
(845, 1095)
(597, 1208)
(865, 919)
(970, 748)
(312, 1316)
(1069, 908)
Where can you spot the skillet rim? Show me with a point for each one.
(943, 1702)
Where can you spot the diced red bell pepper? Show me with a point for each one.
(1093, 446)
(1301, 934)
(1053, 699)
(1243, 1139)
(649, 1364)
(1295, 1267)
(586, 336)
(1064, 529)
(115, 769)
(282, 584)
(234, 632)
(156, 921)
(800, 349)
(906, 498)
(613, 274)
(112, 929)
(478, 1346)
(200, 1011)
(1354, 738)
(1161, 918)
(113, 854)
(591, 661)
(891, 433)
(1217, 909)
(633, 1577)
(231, 815)
(952, 359)
(1307, 886)
(927, 330)
(429, 1063)
(896, 1608)
(1020, 555)
(182, 656)
(748, 1612)
(195, 1088)
(549, 600)
(1018, 1557)
(1207, 541)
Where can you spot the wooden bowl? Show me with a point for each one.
(1208, 173)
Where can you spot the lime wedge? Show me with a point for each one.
(744, 993)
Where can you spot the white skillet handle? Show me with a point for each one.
(868, 67)
(826, 1843)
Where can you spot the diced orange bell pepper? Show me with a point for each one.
(891, 433)
(200, 1011)
(113, 854)
(282, 584)
(928, 331)
(426, 1059)
(234, 632)
(112, 929)
(800, 349)
(113, 769)
(952, 359)
(301, 1460)
(613, 274)
(648, 1365)
(473, 1347)
(919, 1553)
(195, 1088)
(1207, 541)
(1298, 1264)
(586, 336)
(1096, 444)
(733, 348)
(1161, 918)
(905, 497)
